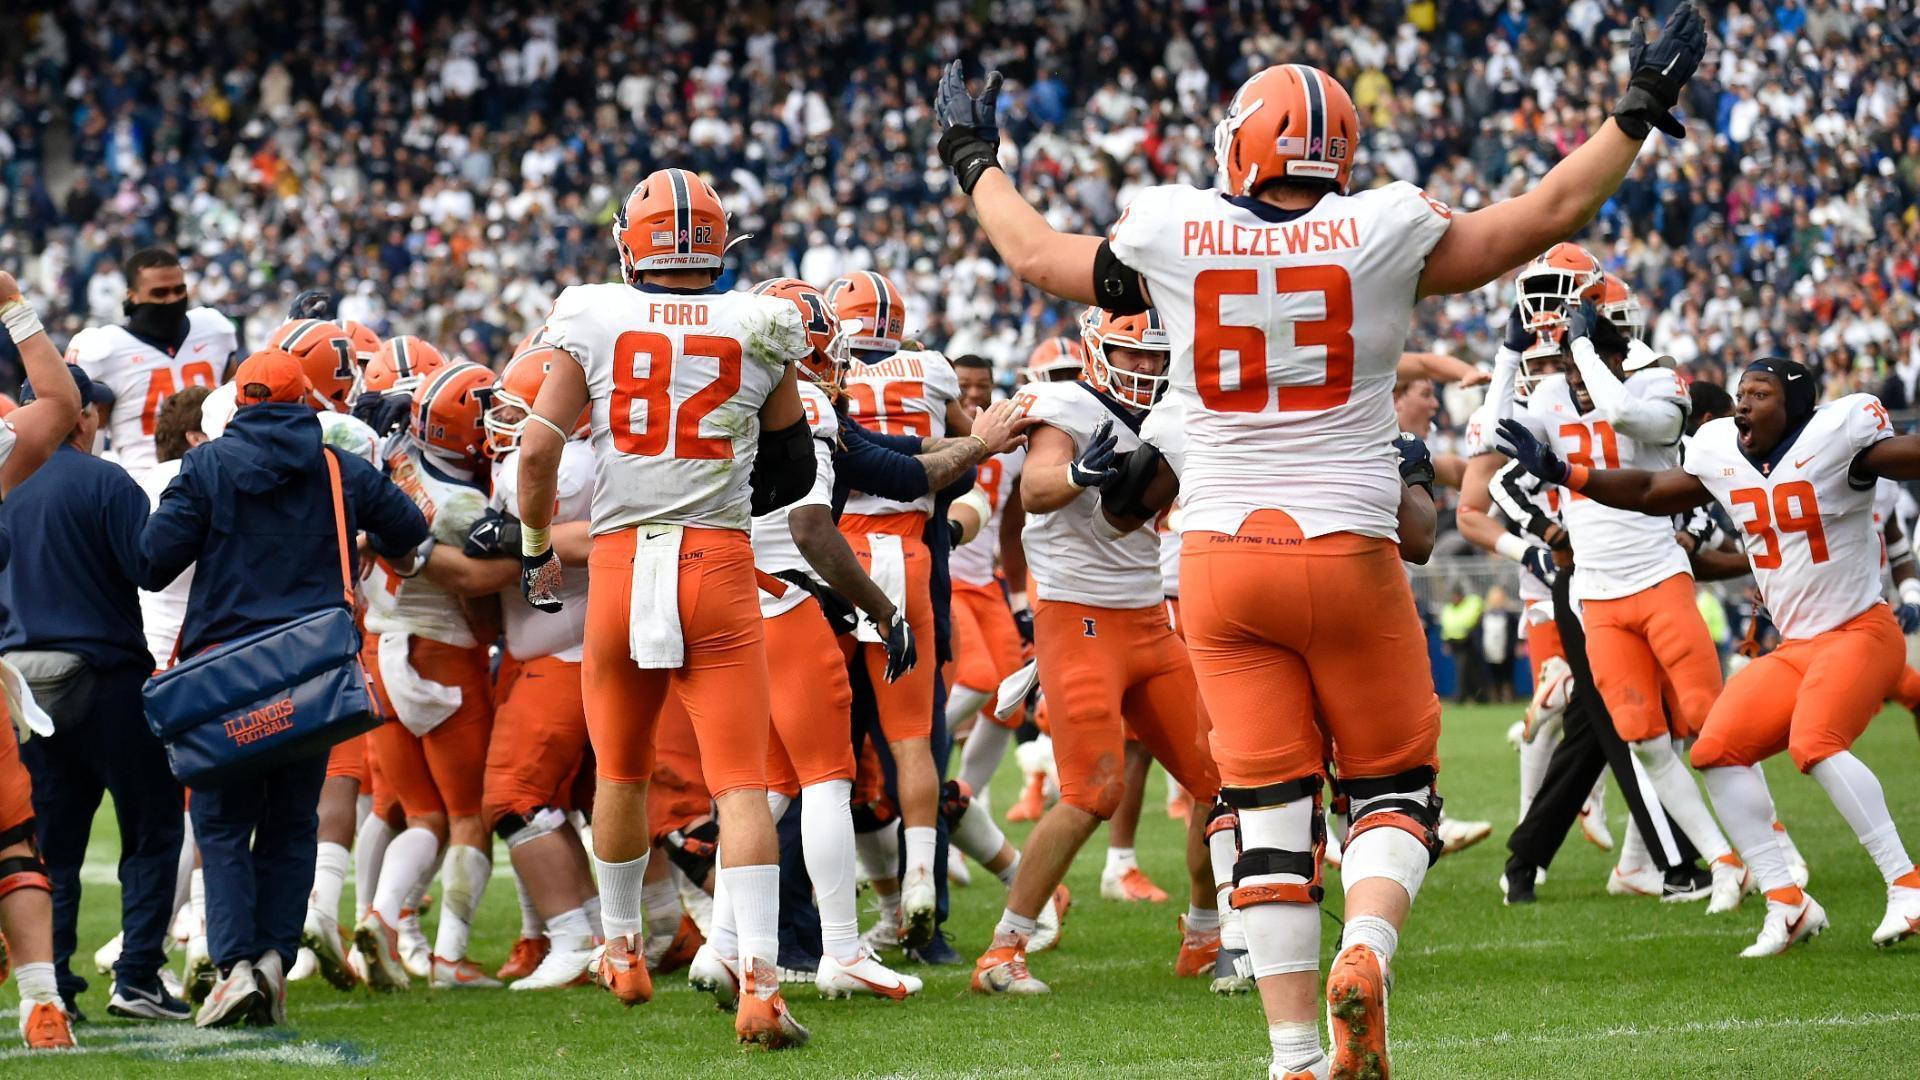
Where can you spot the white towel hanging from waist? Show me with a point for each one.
(419, 702)
(27, 715)
(654, 638)
(889, 571)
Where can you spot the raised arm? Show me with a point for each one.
(40, 426)
(1482, 245)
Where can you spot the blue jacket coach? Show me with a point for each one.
(254, 510)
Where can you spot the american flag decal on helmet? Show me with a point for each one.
(663, 237)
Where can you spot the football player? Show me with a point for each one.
(697, 422)
(1798, 479)
(165, 345)
(1292, 490)
(431, 669)
(29, 434)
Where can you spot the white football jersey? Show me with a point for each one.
(905, 394)
(349, 435)
(1168, 526)
(774, 551)
(163, 613)
(7, 439)
(1886, 501)
(972, 562)
(530, 632)
(1810, 533)
(142, 377)
(1287, 329)
(1615, 552)
(415, 605)
(1482, 427)
(1071, 556)
(677, 381)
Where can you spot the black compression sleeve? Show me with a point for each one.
(1118, 285)
(783, 468)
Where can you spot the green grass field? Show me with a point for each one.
(1579, 985)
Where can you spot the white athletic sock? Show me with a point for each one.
(964, 701)
(369, 852)
(877, 853)
(1201, 918)
(1857, 794)
(1372, 931)
(1007, 873)
(723, 935)
(330, 862)
(197, 898)
(777, 804)
(754, 892)
(977, 835)
(1533, 769)
(981, 757)
(1012, 922)
(570, 930)
(1745, 807)
(826, 840)
(183, 868)
(1120, 860)
(661, 902)
(404, 872)
(921, 844)
(1680, 795)
(591, 905)
(465, 877)
(531, 924)
(1296, 1044)
(621, 884)
(1282, 938)
(37, 982)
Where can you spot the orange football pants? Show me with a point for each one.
(677, 797)
(906, 705)
(1652, 657)
(1107, 673)
(722, 682)
(443, 772)
(1907, 690)
(1543, 642)
(813, 712)
(987, 640)
(1297, 642)
(349, 759)
(539, 735)
(16, 786)
(1811, 697)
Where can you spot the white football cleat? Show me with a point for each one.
(866, 975)
(714, 974)
(305, 966)
(918, 896)
(1517, 735)
(1049, 923)
(1786, 925)
(378, 946)
(1902, 919)
(885, 932)
(1316, 1071)
(1593, 825)
(107, 955)
(1002, 969)
(415, 951)
(234, 1000)
(200, 972)
(1457, 835)
(1731, 883)
(461, 974)
(173, 983)
(321, 939)
(565, 965)
(1641, 881)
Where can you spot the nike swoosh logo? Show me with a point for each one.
(897, 993)
(201, 347)
(1802, 463)
(1793, 928)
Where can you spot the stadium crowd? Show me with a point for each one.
(453, 168)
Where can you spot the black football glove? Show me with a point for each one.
(1660, 70)
(495, 536)
(384, 413)
(1533, 455)
(1518, 337)
(1585, 321)
(1538, 561)
(1023, 623)
(1095, 465)
(1416, 461)
(540, 580)
(969, 130)
(313, 304)
(902, 654)
(955, 798)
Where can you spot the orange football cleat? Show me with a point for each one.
(1033, 800)
(1002, 969)
(47, 1027)
(1357, 1015)
(526, 955)
(686, 941)
(1132, 886)
(763, 1020)
(1198, 949)
(623, 972)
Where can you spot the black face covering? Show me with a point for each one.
(165, 324)
(1796, 384)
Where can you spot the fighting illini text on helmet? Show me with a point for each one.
(869, 298)
(672, 220)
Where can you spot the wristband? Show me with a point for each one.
(1511, 547)
(985, 450)
(1576, 477)
(1018, 601)
(1910, 591)
(22, 322)
(420, 556)
(534, 542)
(551, 426)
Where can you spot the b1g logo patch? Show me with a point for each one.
(1087, 628)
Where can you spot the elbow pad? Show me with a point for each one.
(1118, 285)
(1125, 494)
(783, 467)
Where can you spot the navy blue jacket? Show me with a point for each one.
(254, 509)
(70, 535)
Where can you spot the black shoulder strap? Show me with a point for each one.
(1121, 412)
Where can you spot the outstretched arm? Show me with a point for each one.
(1669, 491)
(1897, 458)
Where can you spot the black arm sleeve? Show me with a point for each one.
(1118, 285)
(1126, 493)
(783, 468)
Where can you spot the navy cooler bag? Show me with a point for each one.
(246, 706)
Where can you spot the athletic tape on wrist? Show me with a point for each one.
(534, 541)
(22, 322)
(1511, 547)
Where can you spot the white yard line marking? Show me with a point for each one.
(1637, 1031)
(186, 1044)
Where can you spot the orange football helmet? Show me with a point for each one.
(1057, 359)
(1101, 330)
(365, 342)
(1289, 121)
(828, 361)
(401, 364)
(1620, 306)
(1566, 274)
(518, 385)
(672, 220)
(325, 352)
(872, 308)
(450, 407)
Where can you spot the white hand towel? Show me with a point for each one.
(419, 702)
(889, 571)
(653, 608)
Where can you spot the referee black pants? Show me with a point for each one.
(1588, 744)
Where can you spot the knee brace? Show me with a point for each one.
(1281, 839)
(23, 872)
(517, 829)
(1403, 813)
(1223, 843)
(955, 797)
(693, 849)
